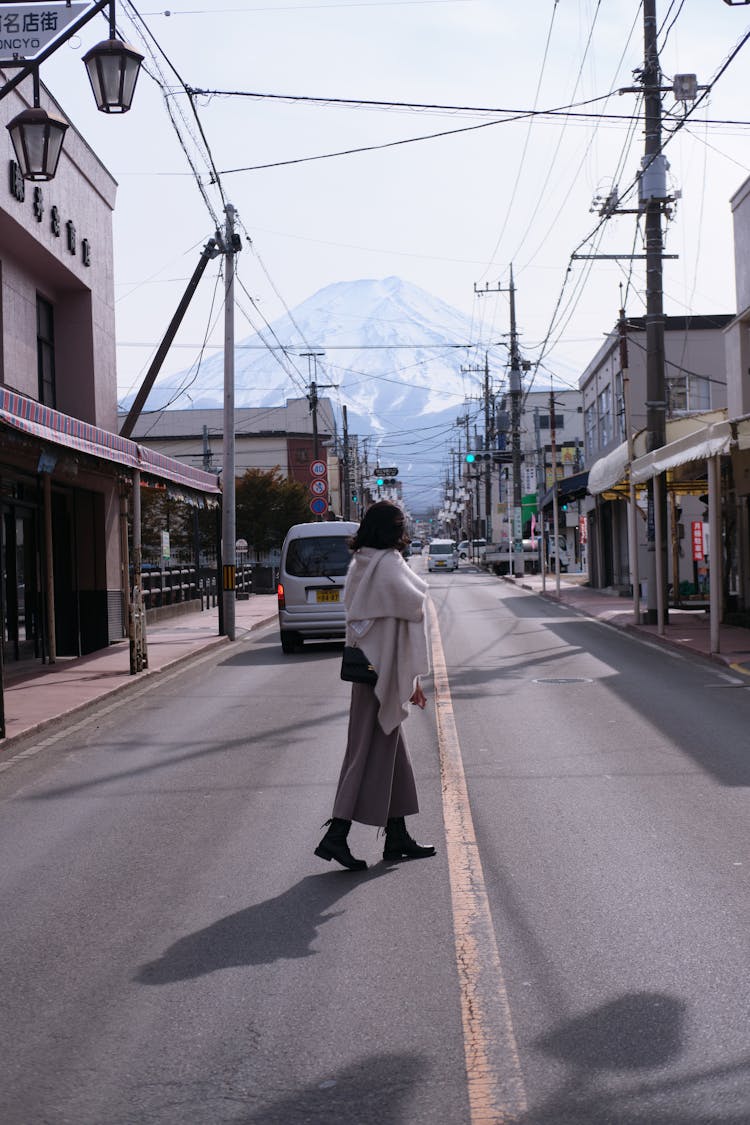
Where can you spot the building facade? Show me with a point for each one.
(66, 478)
(613, 391)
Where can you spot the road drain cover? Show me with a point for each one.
(564, 680)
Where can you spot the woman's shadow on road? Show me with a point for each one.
(281, 928)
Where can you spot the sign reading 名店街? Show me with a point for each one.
(26, 29)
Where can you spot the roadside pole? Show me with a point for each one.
(653, 194)
(635, 577)
(555, 506)
(229, 515)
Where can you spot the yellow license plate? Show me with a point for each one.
(328, 595)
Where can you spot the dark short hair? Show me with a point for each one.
(382, 526)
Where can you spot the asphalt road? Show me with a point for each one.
(172, 952)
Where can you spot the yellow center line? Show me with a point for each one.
(497, 1094)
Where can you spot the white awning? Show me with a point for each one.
(709, 441)
(685, 442)
(609, 470)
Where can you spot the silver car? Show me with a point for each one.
(314, 561)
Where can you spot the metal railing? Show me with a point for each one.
(171, 585)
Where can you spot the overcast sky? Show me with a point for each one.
(446, 213)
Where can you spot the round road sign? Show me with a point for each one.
(319, 506)
(318, 468)
(318, 487)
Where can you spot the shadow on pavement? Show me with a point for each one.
(636, 1034)
(281, 928)
(376, 1090)
(695, 734)
(268, 651)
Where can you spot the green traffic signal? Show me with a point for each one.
(470, 458)
(380, 482)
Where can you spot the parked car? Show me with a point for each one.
(442, 555)
(314, 561)
(472, 548)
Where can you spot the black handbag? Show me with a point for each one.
(356, 668)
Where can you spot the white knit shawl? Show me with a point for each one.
(385, 614)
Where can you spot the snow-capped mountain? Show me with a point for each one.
(393, 355)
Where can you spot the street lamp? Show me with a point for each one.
(37, 138)
(112, 68)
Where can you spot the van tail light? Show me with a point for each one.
(280, 595)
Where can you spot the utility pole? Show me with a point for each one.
(232, 244)
(653, 197)
(489, 444)
(632, 506)
(541, 482)
(515, 417)
(346, 474)
(555, 503)
(312, 397)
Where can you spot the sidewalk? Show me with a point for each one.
(37, 695)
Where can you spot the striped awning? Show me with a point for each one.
(31, 417)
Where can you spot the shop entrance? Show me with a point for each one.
(21, 596)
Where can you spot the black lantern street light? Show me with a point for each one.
(112, 68)
(37, 139)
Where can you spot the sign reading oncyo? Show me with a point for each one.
(26, 29)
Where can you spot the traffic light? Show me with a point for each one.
(354, 498)
(478, 455)
(470, 458)
(380, 482)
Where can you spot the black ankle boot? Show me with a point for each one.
(334, 845)
(400, 845)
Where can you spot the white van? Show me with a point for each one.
(314, 561)
(442, 554)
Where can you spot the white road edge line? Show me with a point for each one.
(497, 1093)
